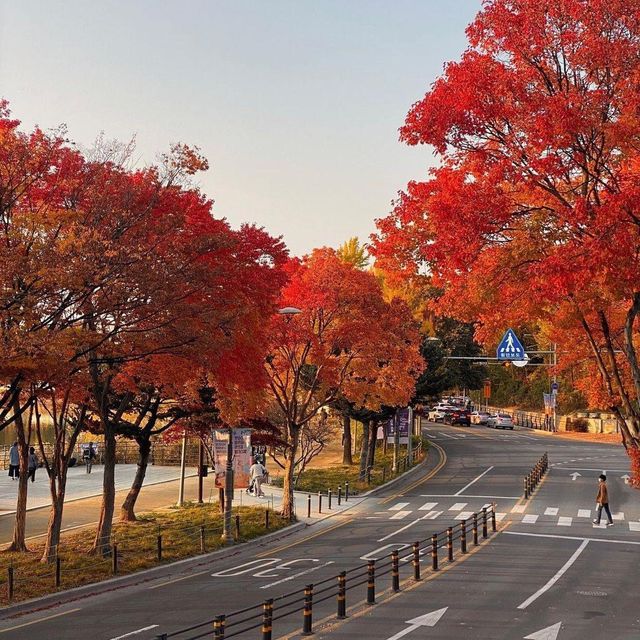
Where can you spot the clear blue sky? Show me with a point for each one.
(296, 103)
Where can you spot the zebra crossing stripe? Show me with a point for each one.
(529, 518)
(428, 506)
(458, 506)
(564, 521)
(634, 526)
(584, 513)
(399, 515)
(551, 511)
(399, 506)
(432, 515)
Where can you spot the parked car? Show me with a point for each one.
(500, 421)
(458, 416)
(438, 413)
(480, 417)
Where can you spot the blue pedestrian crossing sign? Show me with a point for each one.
(510, 348)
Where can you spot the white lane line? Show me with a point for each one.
(618, 516)
(634, 526)
(428, 506)
(399, 506)
(432, 515)
(564, 521)
(393, 533)
(519, 508)
(452, 495)
(560, 537)
(598, 470)
(399, 515)
(446, 435)
(551, 511)
(28, 624)
(296, 575)
(458, 506)
(584, 513)
(556, 577)
(530, 518)
(135, 633)
(465, 515)
(473, 481)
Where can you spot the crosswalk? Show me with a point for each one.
(462, 511)
(433, 434)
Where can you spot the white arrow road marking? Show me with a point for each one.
(550, 633)
(427, 620)
(575, 475)
(563, 569)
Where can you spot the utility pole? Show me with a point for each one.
(183, 460)
(554, 389)
(227, 533)
(200, 469)
(410, 430)
(396, 440)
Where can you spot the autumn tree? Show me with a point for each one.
(533, 213)
(346, 340)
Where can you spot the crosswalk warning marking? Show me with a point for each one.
(529, 518)
(428, 506)
(551, 511)
(399, 506)
(564, 521)
(584, 513)
(465, 515)
(399, 515)
(634, 526)
(458, 506)
(618, 516)
(432, 515)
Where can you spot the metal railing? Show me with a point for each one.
(533, 478)
(439, 548)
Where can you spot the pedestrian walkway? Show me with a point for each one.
(435, 434)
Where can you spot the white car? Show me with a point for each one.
(500, 421)
(480, 417)
(439, 412)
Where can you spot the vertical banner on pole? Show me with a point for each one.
(241, 456)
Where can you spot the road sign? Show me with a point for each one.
(427, 620)
(521, 363)
(487, 389)
(554, 387)
(510, 348)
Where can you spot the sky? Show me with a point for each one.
(295, 103)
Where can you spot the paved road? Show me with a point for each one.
(548, 568)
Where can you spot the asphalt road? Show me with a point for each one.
(549, 573)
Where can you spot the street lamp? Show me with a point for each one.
(289, 312)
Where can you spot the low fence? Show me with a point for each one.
(533, 478)
(441, 547)
(166, 543)
(528, 419)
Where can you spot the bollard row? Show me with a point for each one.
(534, 477)
(302, 602)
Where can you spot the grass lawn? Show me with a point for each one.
(314, 480)
(137, 542)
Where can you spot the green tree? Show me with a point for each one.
(354, 253)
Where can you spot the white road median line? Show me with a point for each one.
(400, 530)
(296, 575)
(135, 633)
(556, 577)
(473, 481)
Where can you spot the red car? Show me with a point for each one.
(458, 416)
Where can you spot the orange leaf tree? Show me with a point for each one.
(346, 341)
(533, 214)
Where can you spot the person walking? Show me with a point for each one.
(257, 474)
(33, 464)
(602, 501)
(14, 461)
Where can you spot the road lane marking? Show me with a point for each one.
(634, 526)
(453, 495)
(584, 513)
(519, 508)
(529, 519)
(458, 506)
(618, 516)
(381, 552)
(297, 575)
(164, 584)
(551, 511)
(428, 506)
(399, 515)
(474, 481)
(563, 569)
(564, 521)
(432, 515)
(399, 506)
(393, 533)
(135, 633)
(28, 624)
(556, 536)
(465, 515)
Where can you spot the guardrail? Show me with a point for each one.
(533, 478)
(302, 601)
(528, 419)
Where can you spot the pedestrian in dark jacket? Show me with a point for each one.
(33, 464)
(14, 461)
(602, 501)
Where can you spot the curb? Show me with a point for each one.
(139, 577)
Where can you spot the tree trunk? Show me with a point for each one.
(288, 510)
(373, 436)
(20, 524)
(364, 449)
(102, 541)
(347, 457)
(127, 510)
(55, 524)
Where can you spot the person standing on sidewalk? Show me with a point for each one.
(602, 501)
(33, 464)
(257, 474)
(14, 461)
